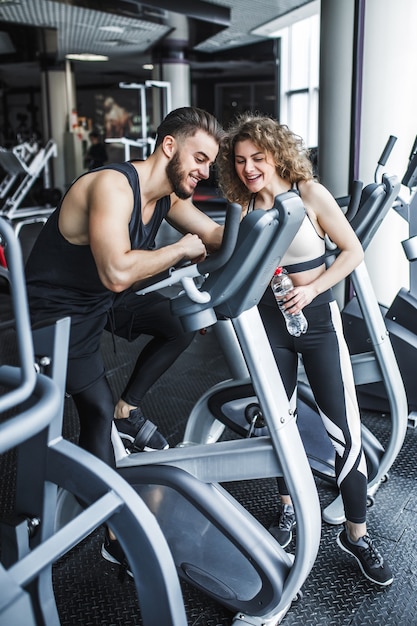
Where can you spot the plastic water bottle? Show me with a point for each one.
(282, 284)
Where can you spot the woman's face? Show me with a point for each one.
(255, 167)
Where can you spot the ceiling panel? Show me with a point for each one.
(126, 31)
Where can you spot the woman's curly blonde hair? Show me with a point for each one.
(290, 155)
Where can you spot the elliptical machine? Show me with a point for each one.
(217, 545)
(234, 403)
(400, 317)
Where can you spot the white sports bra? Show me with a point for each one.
(307, 249)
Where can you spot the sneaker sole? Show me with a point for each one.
(145, 449)
(283, 545)
(373, 580)
(106, 555)
(287, 543)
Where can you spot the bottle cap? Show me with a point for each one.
(278, 271)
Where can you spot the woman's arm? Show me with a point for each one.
(331, 221)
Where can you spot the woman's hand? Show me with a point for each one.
(298, 298)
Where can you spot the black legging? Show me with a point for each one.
(149, 315)
(131, 316)
(95, 407)
(328, 368)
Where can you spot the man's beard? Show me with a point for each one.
(176, 177)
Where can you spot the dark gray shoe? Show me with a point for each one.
(141, 433)
(112, 551)
(372, 564)
(282, 529)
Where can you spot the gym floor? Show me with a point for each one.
(89, 592)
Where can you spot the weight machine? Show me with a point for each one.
(21, 163)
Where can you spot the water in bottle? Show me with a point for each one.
(281, 285)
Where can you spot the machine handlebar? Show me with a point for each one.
(384, 156)
(231, 228)
(387, 150)
(354, 200)
(410, 176)
(186, 274)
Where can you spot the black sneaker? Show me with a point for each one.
(111, 550)
(369, 559)
(140, 432)
(282, 530)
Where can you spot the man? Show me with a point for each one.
(94, 251)
(96, 155)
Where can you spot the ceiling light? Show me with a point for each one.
(86, 56)
(112, 29)
(147, 66)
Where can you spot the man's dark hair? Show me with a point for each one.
(186, 121)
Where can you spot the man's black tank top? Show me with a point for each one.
(62, 278)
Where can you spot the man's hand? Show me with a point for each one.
(194, 248)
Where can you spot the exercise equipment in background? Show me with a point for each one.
(401, 316)
(23, 166)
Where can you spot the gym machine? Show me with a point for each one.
(217, 545)
(400, 317)
(233, 403)
(31, 409)
(24, 166)
(23, 151)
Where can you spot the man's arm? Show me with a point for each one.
(110, 202)
(187, 218)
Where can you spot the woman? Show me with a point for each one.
(260, 159)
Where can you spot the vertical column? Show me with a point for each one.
(171, 65)
(55, 118)
(335, 101)
(58, 102)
